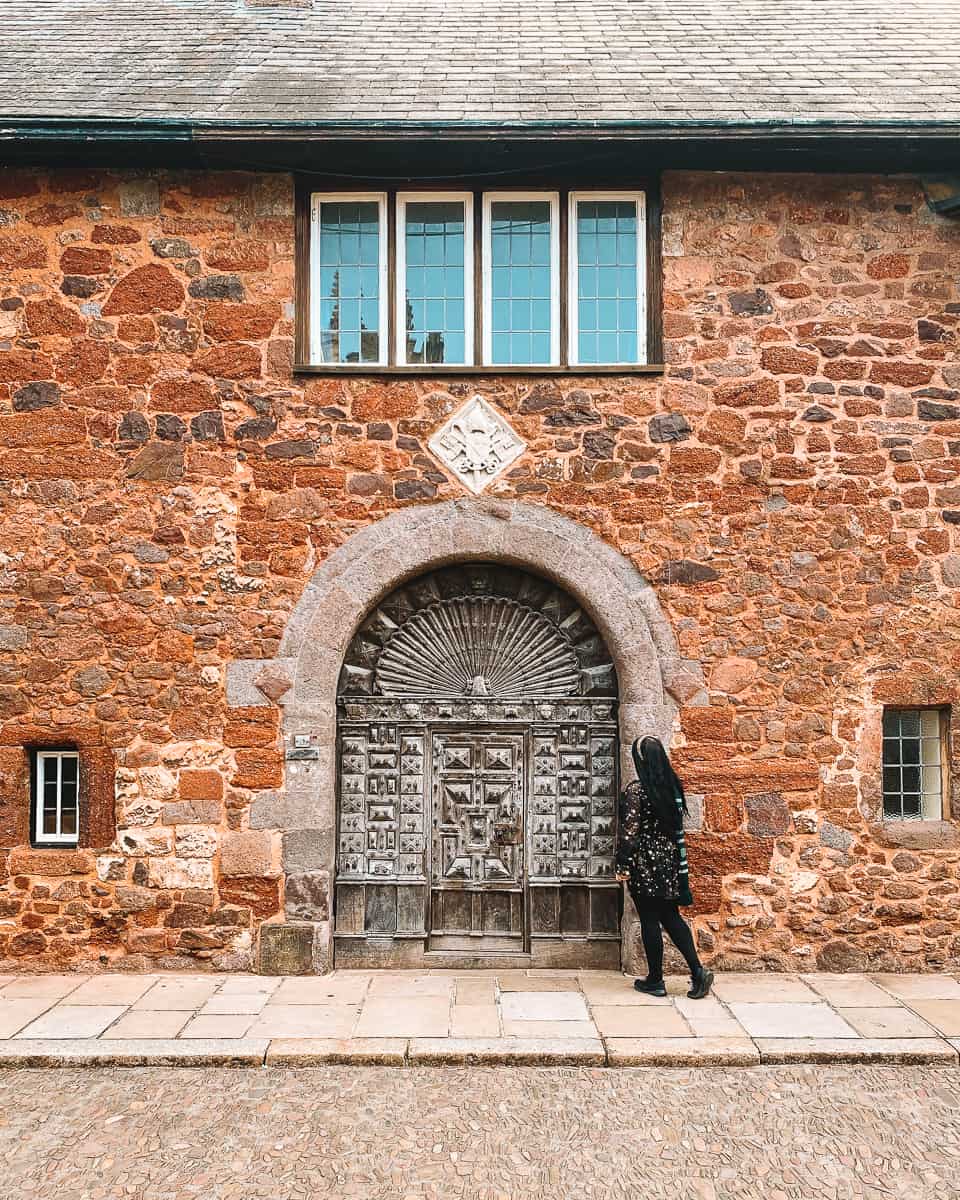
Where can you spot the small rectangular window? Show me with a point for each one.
(435, 272)
(349, 278)
(607, 320)
(56, 777)
(521, 274)
(913, 763)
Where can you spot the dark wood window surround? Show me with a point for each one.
(654, 280)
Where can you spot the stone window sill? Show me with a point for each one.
(919, 835)
(368, 369)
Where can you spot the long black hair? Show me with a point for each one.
(660, 781)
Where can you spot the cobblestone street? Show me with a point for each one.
(784, 1133)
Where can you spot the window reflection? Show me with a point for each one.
(607, 306)
(435, 316)
(520, 282)
(349, 255)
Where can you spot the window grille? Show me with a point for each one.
(913, 763)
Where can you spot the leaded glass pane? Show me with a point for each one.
(608, 311)
(349, 276)
(434, 249)
(521, 283)
(912, 775)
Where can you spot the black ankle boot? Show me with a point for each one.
(650, 987)
(701, 983)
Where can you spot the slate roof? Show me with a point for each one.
(857, 62)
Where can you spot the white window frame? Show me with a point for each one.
(940, 804)
(489, 199)
(573, 276)
(58, 838)
(400, 275)
(316, 341)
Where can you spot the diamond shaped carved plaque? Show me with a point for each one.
(477, 444)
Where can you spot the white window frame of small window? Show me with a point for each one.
(58, 838)
(942, 811)
(489, 199)
(639, 199)
(383, 308)
(400, 275)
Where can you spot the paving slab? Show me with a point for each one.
(763, 989)
(943, 1015)
(310, 1052)
(219, 1027)
(681, 1052)
(112, 989)
(544, 1006)
(513, 982)
(475, 991)
(147, 1024)
(52, 986)
(850, 991)
(385, 986)
(155, 1052)
(297, 1020)
(887, 1023)
(549, 1029)
(901, 1051)
(173, 993)
(18, 1013)
(405, 1016)
(722, 1027)
(475, 1020)
(506, 1051)
(235, 1003)
(67, 1022)
(791, 1021)
(326, 990)
(612, 991)
(236, 985)
(620, 1021)
(919, 987)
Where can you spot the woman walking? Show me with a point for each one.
(652, 860)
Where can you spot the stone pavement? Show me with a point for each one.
(591, 1018)
(500, 1133)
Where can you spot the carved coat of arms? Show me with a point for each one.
(477, 444)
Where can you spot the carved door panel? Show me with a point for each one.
(477, 873)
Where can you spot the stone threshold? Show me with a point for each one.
(539, 1052)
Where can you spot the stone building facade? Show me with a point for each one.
(764, 536)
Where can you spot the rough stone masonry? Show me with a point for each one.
(790, 485)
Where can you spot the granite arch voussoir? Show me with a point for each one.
(378, 559)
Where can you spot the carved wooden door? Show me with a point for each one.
(478, 817)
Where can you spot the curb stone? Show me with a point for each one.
(116, 1052)
(614, 1053)
(876, 1051)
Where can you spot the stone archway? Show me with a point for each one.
(652, 676)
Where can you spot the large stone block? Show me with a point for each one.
(306, 851)
(286, 949)
(307, 896)
(247, 854)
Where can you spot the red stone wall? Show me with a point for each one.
(167, 487)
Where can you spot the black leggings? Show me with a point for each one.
(654, 914)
